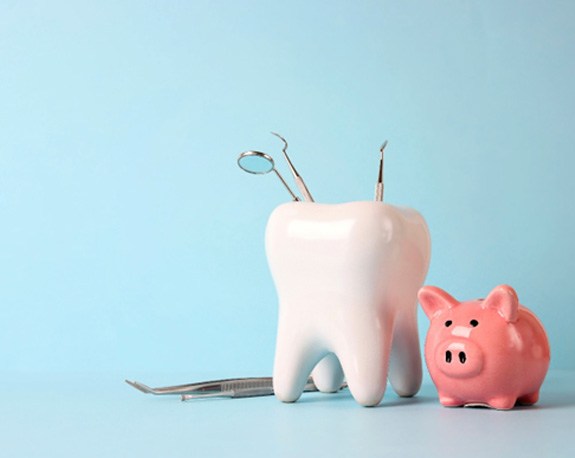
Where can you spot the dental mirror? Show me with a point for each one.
(259, 163)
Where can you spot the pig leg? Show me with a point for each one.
(328, 374)
(529, 399)
(365, 360)
(502, 402)
(405, 371)
(448, 401)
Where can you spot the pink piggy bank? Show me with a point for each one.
(492, 352)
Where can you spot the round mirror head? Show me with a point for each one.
(256, 162)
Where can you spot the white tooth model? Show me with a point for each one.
(347, 278)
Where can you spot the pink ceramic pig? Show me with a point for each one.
(492, 352)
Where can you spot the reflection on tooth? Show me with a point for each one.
(347, 278)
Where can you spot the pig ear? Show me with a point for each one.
(504, 299)
(433, 300)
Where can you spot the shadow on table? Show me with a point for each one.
(390, 399)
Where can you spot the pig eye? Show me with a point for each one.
(474, 323)
(448, 323)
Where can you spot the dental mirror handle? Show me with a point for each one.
(294, 197)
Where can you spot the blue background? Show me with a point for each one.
(130, 240)
(132, 246)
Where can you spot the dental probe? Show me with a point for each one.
(298, 179)
(379, 185)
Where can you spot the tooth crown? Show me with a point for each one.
(347, 277)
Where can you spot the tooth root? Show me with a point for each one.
(295, 357)
(364, 358)
(328, 374)
(405, 369)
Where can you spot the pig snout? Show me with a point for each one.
(459, 359)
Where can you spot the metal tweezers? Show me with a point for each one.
(228, 388)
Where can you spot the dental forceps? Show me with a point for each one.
(226, 388)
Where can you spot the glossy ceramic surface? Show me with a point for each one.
(492, 352)
(347, 277)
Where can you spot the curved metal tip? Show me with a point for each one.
(282, 139)
(140, 386)
(383, 147)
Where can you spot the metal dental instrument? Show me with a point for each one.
(298, 180)
(230, 388)
(244, 388)
(379, 185)
(259, 163)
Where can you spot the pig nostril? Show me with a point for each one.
(448, 356)
(462, 357)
